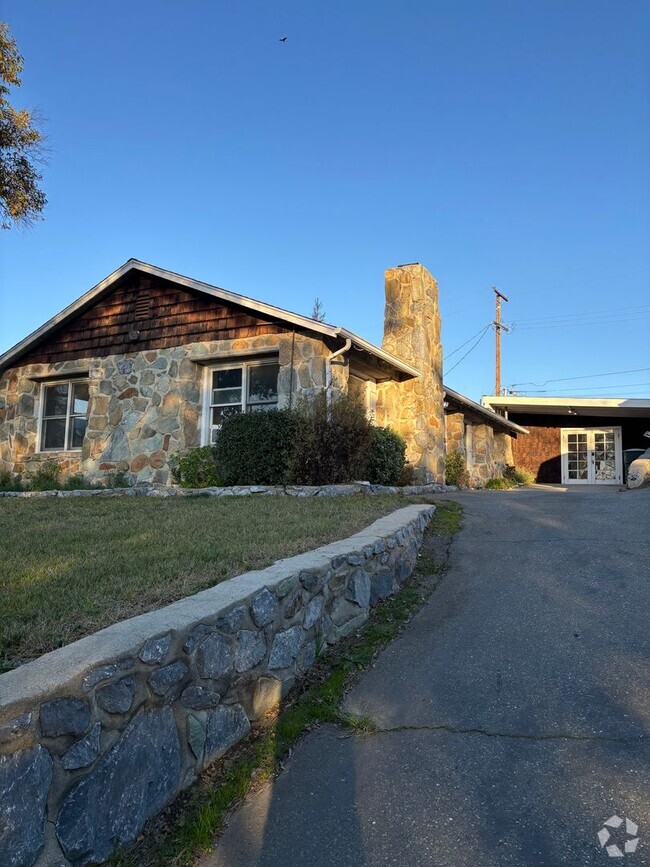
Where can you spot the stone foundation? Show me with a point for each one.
(169, 692)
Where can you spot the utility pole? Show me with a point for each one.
(498, 328)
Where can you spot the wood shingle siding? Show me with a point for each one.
(177, 316)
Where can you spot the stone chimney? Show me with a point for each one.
(414, 408)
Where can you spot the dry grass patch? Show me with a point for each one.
(72, 566)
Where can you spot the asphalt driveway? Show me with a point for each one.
(513, 712)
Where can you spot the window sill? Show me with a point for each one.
(61, 452)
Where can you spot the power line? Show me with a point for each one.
(471, 349)
(610, 320)
(593, 388)
(587, 376)
(586, 314)
(466, 342)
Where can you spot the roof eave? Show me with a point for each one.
(492, 416)
(387, 357)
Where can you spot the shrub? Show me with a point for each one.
(120, 479)
(197, 468)
(78, 482)
(333, 441)
(386, 458)
(519, 476)
(407, 476)
(498, 485)
(456, 469)
(46, 477)
(10, 482)
(256, 448)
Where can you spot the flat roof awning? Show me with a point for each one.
(607, 407)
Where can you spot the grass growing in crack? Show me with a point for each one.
(202, 817)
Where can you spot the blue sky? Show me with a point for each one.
(496, 142)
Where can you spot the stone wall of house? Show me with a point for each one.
(414, 408)
(487, 451)
(491, 453)
(171, 691)
(146, 406)
(455, 432)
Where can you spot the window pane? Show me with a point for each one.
(261, 407)
(219, 413)
(226, 395)
(77, 431)
(54, 433)
(79, 398)
(56, 399)
(263, 383)
(227, 378)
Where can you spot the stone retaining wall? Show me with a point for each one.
(241, 491)
(99, 736)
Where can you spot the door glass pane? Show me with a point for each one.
(263, 383)
(56, 399)
(604, 456)
(79, 398)
(577, 464)
(77, 432)
(54, 433)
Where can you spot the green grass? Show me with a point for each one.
(199, 817)
(72, 566)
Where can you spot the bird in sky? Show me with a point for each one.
(283, 39)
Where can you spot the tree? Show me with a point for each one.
(21, 146)
(318, 311)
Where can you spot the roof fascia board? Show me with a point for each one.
(484, 411)
(240, 300)
(214, 291)
(360, 343)
(63, 315)
(582, 402)
(134, 264)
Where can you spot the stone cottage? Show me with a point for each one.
(148, 363)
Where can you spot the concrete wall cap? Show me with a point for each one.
(54, 672)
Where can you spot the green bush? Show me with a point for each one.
(119, 479)
(456, 469)
(197, 468)
(10, 482)
(498, 485)
(333, 441)
(519, 476)
(78, 482)
(387, 457)
(257, 448)
(46, 477)
(316, 443)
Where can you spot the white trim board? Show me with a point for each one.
(214, 291)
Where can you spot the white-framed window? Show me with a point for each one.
(63, 421)
(250, 386)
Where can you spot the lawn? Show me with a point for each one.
(72, 566)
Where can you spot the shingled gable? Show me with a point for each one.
(104, 319)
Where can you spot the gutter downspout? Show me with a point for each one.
(328, 367)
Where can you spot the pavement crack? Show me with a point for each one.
(511, 735)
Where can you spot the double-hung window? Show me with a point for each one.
(63, 415)
(246, 387)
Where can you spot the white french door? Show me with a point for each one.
(592, 456)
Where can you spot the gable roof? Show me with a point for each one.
(260, 307)
(483, 411)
